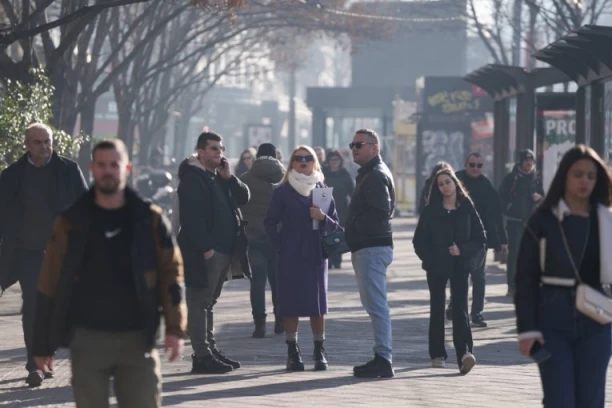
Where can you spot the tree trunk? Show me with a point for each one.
(88, 115)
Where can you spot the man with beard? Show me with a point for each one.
(212, 242)
(487, 205)
(111, 267)
(520, 193)
(33, 190)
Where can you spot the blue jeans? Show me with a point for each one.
(370, 266)
(575, 375)
(262, 256)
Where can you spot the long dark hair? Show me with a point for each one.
(439, 166)
(602, 192)
(435, 196)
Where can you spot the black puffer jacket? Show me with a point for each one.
(438, 229)
(371, 209)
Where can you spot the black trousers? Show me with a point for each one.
(29, 263)
(462, 333)
(478, 290)
(262, 255)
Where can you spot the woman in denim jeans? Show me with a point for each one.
(562, 239)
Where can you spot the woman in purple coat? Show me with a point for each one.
(301, 278)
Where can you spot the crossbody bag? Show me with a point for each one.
(589, 301)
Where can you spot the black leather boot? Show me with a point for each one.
(294, 357)
(320, 356)
(260, 328)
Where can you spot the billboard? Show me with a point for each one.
(558, 133)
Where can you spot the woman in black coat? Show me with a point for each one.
(450, 241)
(338, 177)
(566, 243)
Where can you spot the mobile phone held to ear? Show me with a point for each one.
(224, 163)
(538, 353)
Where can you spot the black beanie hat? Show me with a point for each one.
(266, 149)
(526, 154)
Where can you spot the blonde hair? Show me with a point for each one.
(310, 150)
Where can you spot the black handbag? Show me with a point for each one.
(334, 243)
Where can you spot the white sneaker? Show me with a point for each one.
(467, 363)
(438, 362)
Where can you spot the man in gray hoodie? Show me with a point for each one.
(261, 179)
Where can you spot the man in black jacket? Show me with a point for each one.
(261, 179)
(520, 193)
(370, 239)
(211, 233)
(111, 269)
(33, 190)
(488, 206)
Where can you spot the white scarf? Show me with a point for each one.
(302, 183)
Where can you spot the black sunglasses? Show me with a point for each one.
(218, 148)
(359, 145)
(479, 165)
(307, 158)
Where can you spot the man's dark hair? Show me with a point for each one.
(372, 135)
(111, 144)
(205, 137)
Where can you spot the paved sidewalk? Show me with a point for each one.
(501, 378)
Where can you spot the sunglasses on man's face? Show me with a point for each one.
(218, 148)
(359, 145)
(474, 165)
(307, 158)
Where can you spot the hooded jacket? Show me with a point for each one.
(200, 225)
(261, 180)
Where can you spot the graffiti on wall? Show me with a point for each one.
(442, 145)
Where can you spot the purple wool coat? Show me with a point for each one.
(301, 277)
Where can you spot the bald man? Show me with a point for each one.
(33, 190)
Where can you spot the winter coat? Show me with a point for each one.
(371, 208)
(515, 194)
(261, 180)
(157, 270)
(68, 187)
(439, 228)
(343, 185)
(197, 202)
(487, 203)
(301, 277)
(423, 196)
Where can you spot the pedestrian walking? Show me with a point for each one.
(427, 185)
(520, 193)
(485, 199)
(111, 267)
(301, 280)
(370, 239)
(563, 255)
(33, 191)
(451, 242)
(261, 179)
(213, 244)
(337, 177)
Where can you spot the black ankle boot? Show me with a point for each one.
(320, 356)
(260, 328)
(294, 357)
(379, 367)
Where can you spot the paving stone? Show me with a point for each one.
(502, 378)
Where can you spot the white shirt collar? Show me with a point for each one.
(34, 164)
